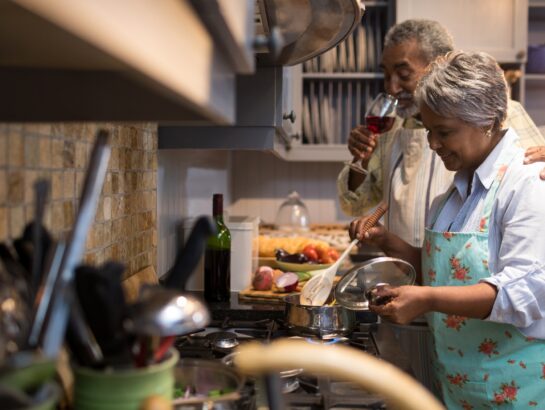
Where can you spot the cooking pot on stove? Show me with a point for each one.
(324, 322)
(338, 319)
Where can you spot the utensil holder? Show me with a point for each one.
(123, 389)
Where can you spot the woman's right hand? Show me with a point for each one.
(404, 303)
(362, 144)
(375, 235)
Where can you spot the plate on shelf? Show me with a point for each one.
(301, 267)
(307, 125)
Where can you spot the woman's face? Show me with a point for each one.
(459, 145)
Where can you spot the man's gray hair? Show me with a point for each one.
(469, 86)
(433, 39)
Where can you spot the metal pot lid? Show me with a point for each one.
(351, 289)
(307, 27)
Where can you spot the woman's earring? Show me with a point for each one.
(488, 133)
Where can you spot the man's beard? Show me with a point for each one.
(409, 111)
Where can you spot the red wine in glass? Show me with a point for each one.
(379, 118)
(378, 125)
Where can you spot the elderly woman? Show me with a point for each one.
(484, 283)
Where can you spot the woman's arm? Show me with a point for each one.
(409, 302)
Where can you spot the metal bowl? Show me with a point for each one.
(200, 377)
(288, 378)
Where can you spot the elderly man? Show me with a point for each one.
(401, 168)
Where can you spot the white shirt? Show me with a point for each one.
(516, 240)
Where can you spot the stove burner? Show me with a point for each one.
(327, 342)
(223, 340)
(301, 391)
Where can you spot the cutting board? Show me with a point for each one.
(269, 296)
(251, 295)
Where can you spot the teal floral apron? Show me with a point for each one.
(478, 364)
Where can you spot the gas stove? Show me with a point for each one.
(300, 391)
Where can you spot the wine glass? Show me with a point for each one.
(379, 118)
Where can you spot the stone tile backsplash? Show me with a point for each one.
(125, 223)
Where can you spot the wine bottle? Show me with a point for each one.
(217, 259)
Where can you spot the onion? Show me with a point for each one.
(263, 278)
(287, 282)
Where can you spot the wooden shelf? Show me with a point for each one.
(377, 3)
(343, 76)
(536, 3)
(313, 153)
(534, 77)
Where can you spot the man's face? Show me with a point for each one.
(403, 65)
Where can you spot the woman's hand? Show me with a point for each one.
(405, 303)
(374, 236)
(535, 154)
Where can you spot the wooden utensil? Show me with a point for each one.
(375, 216)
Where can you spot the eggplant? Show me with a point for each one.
(280, 253)
(292, 258)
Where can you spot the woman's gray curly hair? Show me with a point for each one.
(469, 86)
(433, 39)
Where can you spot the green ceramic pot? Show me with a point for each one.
(123, 389)
(32, 375)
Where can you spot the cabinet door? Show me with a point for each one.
(498, 27)
(292, 98)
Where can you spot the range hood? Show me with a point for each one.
(264, 116)
(299, 30)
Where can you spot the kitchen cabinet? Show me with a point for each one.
(533, 84)
(265, 119)
(497, 27)
(269, 102)
(338, 85)
(123, 59)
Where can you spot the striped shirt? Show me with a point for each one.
(404, 167)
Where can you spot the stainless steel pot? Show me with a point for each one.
(324, 322)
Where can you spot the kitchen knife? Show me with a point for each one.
(104, 307)
(75, 245)
(81, 340)
(188, 257)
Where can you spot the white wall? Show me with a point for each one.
(253, 184)
(186, 181)
(261, 182)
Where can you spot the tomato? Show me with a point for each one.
(333, 254)
(311, 253)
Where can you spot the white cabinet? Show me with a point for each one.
(337, 86)
(534, 83)
(498, 27)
